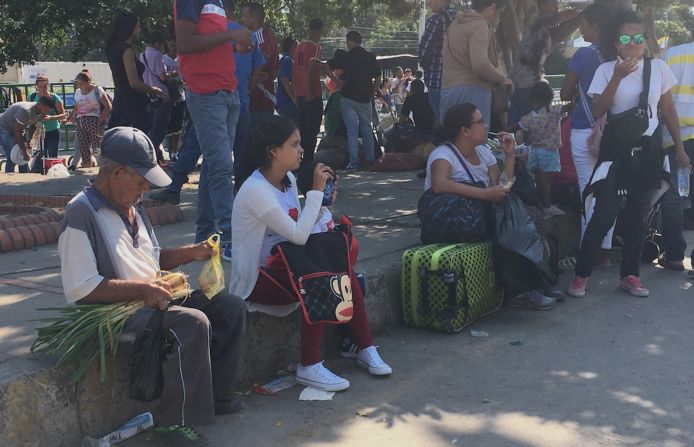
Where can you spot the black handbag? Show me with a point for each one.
(451, 218)
(630, 125)
(146, 371)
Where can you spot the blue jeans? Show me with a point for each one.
(7, 141)
(161, 114)
(672, 211)
(243, 132)
(435, 102)
(190, 154)
(188, 157)
(51, 143)
(460, 94)
(215, 116)
(357, 118)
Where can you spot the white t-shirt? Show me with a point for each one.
(289, 202)
(627, 95)
(88, 105)
(397, 90)
(325, 221)
(257, 214)
(458, 174)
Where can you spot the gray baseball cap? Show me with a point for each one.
(131, 147)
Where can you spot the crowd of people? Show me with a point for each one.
(619, 111)
(253, 109)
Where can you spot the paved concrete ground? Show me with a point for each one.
(607, 370)
(381, 205)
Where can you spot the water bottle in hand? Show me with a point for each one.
(683, 181)
(328, 192)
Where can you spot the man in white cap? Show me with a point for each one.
(109, 254)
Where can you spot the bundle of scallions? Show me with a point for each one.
(84, 333)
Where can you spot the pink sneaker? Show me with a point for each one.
(632, 284)
(578, 287)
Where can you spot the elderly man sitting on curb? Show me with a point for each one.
(109, 254)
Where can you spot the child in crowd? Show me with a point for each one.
(543, 126)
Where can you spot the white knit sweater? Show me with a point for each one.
(255, 210)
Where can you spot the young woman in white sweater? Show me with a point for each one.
(266, 212)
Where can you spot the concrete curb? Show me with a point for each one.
(39, 406)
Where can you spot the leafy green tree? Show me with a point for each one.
(71, 29)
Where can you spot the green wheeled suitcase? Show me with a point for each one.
(448, 286)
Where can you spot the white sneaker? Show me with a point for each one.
(368, 358)
(318, 376)
(552, 211)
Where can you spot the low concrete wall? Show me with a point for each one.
(39, 406)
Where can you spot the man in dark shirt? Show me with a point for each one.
(417, 103)
(361, 74)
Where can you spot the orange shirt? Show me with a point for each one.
(303, 54)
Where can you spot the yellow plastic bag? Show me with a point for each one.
(211, 279)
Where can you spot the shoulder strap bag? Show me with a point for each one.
(452, 218)
(628, 126)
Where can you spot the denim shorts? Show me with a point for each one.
(545, 160)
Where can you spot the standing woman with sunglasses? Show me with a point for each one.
(631, 156)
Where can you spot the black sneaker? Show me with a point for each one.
(227, 406)
(71, 169)
(348, 349)
(179, 435)
(167, 196)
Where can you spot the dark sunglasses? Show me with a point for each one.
(637, 38)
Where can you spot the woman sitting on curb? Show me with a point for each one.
(266, 212)
(449, 171)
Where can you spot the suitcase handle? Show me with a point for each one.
(448, 314)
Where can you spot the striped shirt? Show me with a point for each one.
(431, 47)
(681, 60)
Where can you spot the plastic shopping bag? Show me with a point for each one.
(516, 230)
(211, 279)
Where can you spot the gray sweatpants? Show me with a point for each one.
(203, 364)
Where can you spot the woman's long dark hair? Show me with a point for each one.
(272, 132)
(610, 37)
(600, 15)
(457, 117)
(122, 28)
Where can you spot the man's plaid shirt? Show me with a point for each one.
(431, 47)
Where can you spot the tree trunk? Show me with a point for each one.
(653, 47)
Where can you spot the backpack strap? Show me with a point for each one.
(643, 99)
(96, 92)
(462, 161)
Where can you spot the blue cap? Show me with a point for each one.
(131, 147)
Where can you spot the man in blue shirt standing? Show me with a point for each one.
(286, 100)
(248, 72)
